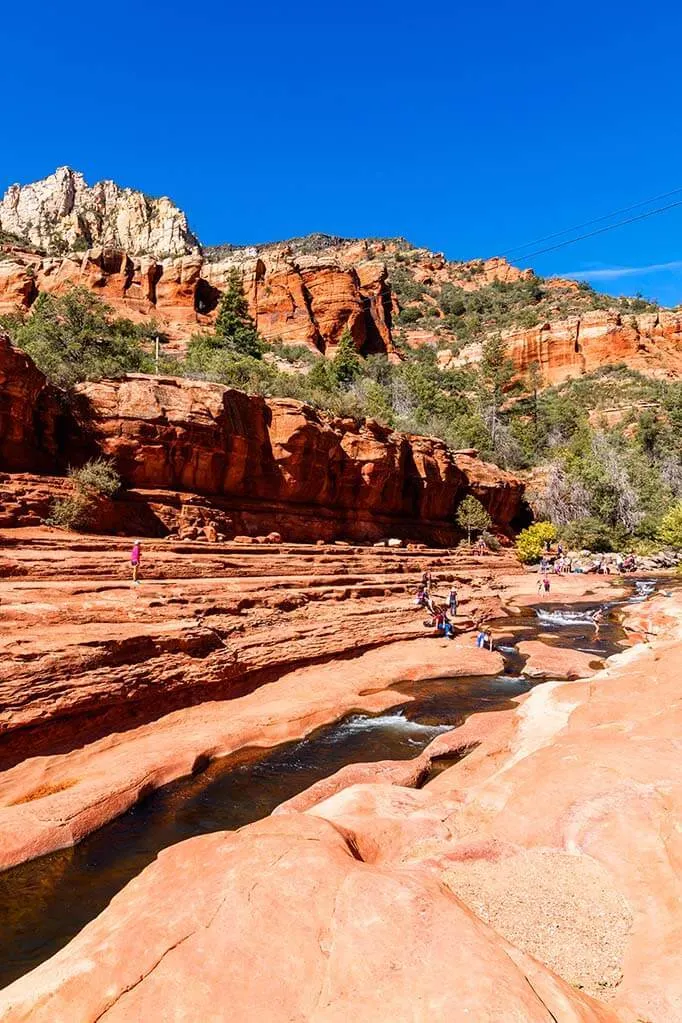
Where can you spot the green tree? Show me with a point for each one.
(346, 366)
(670, 530)
(234, 326)
(472, 515)
(76, 337)
(495, 373)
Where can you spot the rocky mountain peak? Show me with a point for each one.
(63, 213)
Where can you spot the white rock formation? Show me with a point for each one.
(63, 213)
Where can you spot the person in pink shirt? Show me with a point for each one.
(135, 558)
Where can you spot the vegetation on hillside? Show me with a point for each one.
(459, 316)
(603, 452)
(76, 337)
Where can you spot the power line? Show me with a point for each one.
(601, 230)
(588, 223)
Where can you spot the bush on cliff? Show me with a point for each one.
(530, 543)
(92, 482)
(76, 337)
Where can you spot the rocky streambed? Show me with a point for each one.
(45, 902)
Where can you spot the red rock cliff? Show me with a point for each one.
(263, 464)
(275, 462)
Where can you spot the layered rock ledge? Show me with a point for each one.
(543, 863)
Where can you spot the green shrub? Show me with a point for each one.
(76, 337)
(530, 543)
(670, 530)
(490, 540)
(97, 476)
(73, 512)
(410, 314)
(95, 480)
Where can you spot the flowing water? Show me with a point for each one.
(44, 903)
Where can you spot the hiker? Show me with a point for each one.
(541, 584)
(135, 558)
(452, 601)
(545, 584)
(484, 639)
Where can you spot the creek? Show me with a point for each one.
(45, 902)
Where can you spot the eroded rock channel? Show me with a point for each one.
(45, 902)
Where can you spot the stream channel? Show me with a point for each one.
(45, 902)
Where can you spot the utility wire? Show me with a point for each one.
(601, 230)
(588, 223)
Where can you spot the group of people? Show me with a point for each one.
(562, 564)
(440, 613)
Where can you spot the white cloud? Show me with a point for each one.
(614, 272)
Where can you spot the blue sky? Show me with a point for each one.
(466, 128)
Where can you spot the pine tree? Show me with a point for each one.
(234, 323)
(472, 515)
(346, 366)
(496, 371)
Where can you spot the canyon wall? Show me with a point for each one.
(139, 255)
(30, 411)
(561, 350)
(250, 464)
(648, 342)
(303, 299)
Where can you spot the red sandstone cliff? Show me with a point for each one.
(140, 257)
(249, 463)
(648, 342)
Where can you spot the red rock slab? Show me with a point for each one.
(545, 661)
(591, 768)
(343, 940)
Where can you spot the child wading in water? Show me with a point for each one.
(135, 558)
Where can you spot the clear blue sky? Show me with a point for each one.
(467, 128)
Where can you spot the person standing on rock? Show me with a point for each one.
(135, 558)
(452, 601)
